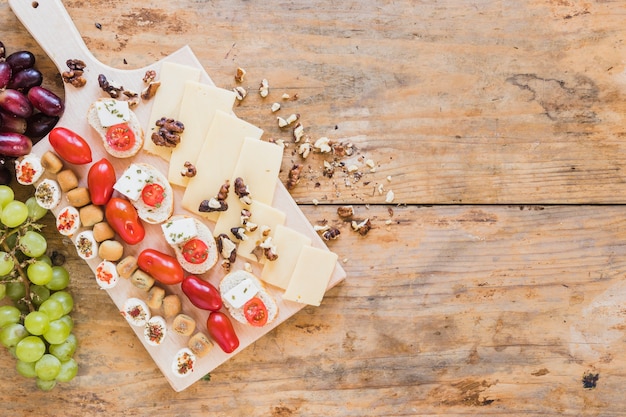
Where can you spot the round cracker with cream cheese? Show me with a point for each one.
(241, 283)
(107, 112)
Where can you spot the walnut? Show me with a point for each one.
(264, 89)
(269, 249)
(169, 132)
(112, 90)
(217, 203)
(74, 74)
(304, 149)
(294, 176)
(298, 132)
(240, 92)
(245, 216)
(133, 97)
(363, 227)
(241, 189)
(149, 76)
(189, 170)
(150, 90)
(239, 233)
(240, 74)
(345, 211)
(275, 107)
(331, 234)
(226, 247)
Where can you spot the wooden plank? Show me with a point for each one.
(446, 311)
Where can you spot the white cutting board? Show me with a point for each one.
(51, 26)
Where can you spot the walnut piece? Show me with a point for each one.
(240, 74)
(189, 170)
(149, 76)
(345, 211)
(74, 74)
(217, 203)
(226, 247)
(169, 132)
(150, 90)
(294, 176)
(264, 88)
(331, 234)
(241, 189)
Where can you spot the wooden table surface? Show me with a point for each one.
(492, 284)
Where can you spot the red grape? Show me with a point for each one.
(45, 101)
(26, 79)
(5, 74)
(14, 144)
(20, 60)
(39, 125)
(15, 103)
(10, 123)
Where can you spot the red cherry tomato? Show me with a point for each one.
(195, 251)
(100, 180)
(124, 220)
(201, 293)
(221, 330)
(120, 137)
(70, 146)
(153, 194)
(161, 266)
(255, 312)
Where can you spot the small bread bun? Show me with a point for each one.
(200, 344)
(233, 279)
(155, 215)
(204, 234)
(133, 123)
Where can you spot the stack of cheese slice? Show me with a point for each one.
(222, 148)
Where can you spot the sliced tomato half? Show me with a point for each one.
(255, 312)
(120, 137)
(195, 251)
(153, 194)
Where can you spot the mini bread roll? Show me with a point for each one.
(111, 250)
(171, 305)
(127, 266)
(67, 180)
(78, 197)
(184, 325)
(200, 344)
(102, 231)
(155, 297)
(90, 215)
(142, 280)
(51, 162)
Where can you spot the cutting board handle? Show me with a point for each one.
(52, 27)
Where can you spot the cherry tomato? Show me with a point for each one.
(153, 194)
(100, 180)
(124, 220)
(161, 266)
(195, 251)
(255, 312)
(120, 137)
(221, 330)
(70, 146)
(201, 293)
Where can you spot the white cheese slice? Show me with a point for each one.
(111, 112)
(219, 155)
(289, 244)
(179, 230)
(262, 215)
(166, 101)
(132, 181)
(241, 293)
(197, 109)
(311, 276)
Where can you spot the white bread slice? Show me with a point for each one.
(204, 234)
(133, 123)
(155, 215)
(231, 280)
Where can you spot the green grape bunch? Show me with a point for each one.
(35, 322)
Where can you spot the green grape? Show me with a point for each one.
(37, 322)
(46, 385)
(60, 279)
(39, 273)
(47, 367)
(9, 315)
(6, 195)
(65, 298)
(35, 211)
(58, 331)
(12, 334)
(3, 290)
(33, 244)
(26, 369)
(64, 351)
(68, 320)
(6, 263)
(14, 213)
(69, 369)
(45, 258)
(30, 349)
(16, 290)
(53, 308)
(39, 294)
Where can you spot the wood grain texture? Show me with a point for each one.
(448, 310)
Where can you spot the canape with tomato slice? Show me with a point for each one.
(247, 299)
(192, 241)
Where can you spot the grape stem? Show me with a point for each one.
(23, 278)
